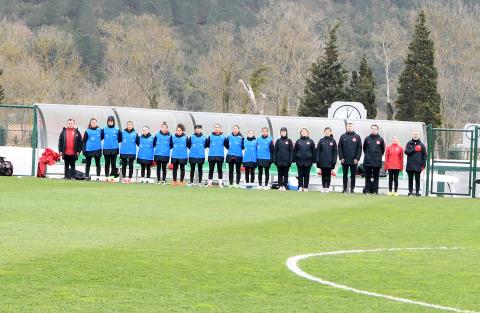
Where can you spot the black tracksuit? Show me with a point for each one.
(349, 149)
(69, 160)
(326, 158)
(96, 154)
(304, 157)
(127, 159)
(416, 161)
(373, 148)
(283, 157)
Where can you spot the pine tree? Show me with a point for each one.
(362, 88)
(2, 91)
(418, 98)
(326, 81)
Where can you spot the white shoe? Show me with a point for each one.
(189, 184)
(300, 189)
(209, 184)
(220, 183)
(305, 189)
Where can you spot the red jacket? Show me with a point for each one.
(394, 158)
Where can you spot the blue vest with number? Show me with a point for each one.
(94, 141)
(235, 145)
(129, 146)
(263, 148)
(145, 148)
(197, 148)
(110, 138)
(216, 148)
(250, 151)
(179, 150)
(162, 148)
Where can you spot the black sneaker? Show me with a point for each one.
(352, 191)
(344, 191)
(410, 194)
(418, 195)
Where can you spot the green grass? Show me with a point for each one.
(95, 247)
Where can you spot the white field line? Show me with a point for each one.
(293, 266)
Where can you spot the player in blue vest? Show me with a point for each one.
(178, 143)
(264, 157)
(250, 157)
(234, 144)
(146, 145)
(128, 150)
(92, 146)
(110, 147)
(162, 152)
(216, 154)
(196, 144)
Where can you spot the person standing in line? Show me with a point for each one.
(196, 157)
(92, 143)
(216, 154)
(349, 153)
(373, 149)
(264, 157)
(162, 152)
(234, 144)
(110, 147)
(416, 160)
(394, 165)
(326, 157)
(146, 145)
(304, 157)
(283, 158)
(69, 147)
(250, 157)
(128, 150)
(178, 143)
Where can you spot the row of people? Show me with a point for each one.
(249, 151)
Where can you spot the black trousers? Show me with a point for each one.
(89, 162)
(110, 160)
(192, 172)
(126, 162)
(411, 175)
(211, 169)
(393, 179)
(303, 175)
(326, 176)
(260, 174)
(162, 166)
(369, 173)
(145, 168)
(353, 170)
(182, 171)
(237, 166)
(283, 175)
(69, 161)
(250, 175)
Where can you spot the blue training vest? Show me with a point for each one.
(263, 148)
(179, 150)
(235, 145)
(162, 148)
(250, 151)
(216, 148)
(129, 146)
(145, 148)
(197, 148)
(110, 138)
(94, 141)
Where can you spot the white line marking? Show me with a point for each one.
(292, 265)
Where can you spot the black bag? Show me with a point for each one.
(6, 167)
(79, 175)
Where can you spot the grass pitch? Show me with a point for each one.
(70, 246)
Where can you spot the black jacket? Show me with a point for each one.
(62, 141)
(327, 152)
(304, 152)
(283, 152)
(374, 148)
(350, 147)
(416, 160)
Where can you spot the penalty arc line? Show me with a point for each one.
(293, 266)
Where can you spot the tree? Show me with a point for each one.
(362, 88)
(2, 91)
(418, 98)
(326, 80)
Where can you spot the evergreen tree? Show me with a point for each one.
(326, 81)
(418, 98)
(2, 91)
(362, 88)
